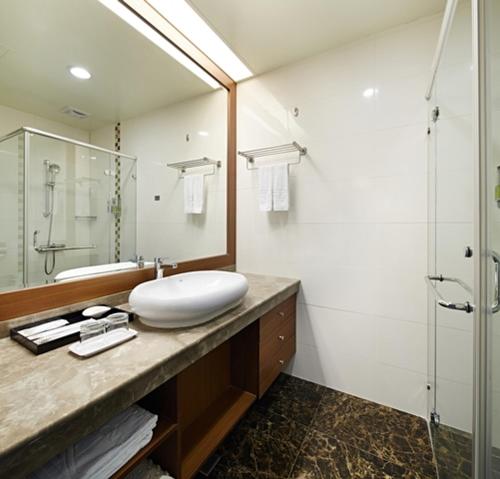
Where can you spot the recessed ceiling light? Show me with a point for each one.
(369, 92)
(153, 36)
(80, 73)
(182, 16)
(203, 133)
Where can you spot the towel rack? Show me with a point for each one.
(183, 166)
(252, 155)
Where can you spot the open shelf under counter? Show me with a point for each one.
(162, 431)
(203, 436)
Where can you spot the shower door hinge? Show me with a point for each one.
(435, 114)
(435, 418)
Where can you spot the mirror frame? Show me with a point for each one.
(27, 301)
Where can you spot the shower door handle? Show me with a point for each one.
(495, 307)
(465, 307)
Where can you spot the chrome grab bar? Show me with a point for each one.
(45, 249)
(495, 307)
(466, 307)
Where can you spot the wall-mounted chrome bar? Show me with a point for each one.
(449, 13)
(252, 155)
(34, 131)
(183, 166)
(466, 307)
(58, 247)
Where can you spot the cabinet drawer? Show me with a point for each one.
(273, 361)
(276, 342)
(271, 322)
(272, 339)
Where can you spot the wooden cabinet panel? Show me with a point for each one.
(277, 343)
(274, 320)
(274, 362)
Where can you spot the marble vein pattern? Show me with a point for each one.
(453, 449)
(301, 430)
(51, 400)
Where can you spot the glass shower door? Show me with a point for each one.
(489, 330)
(451, 232)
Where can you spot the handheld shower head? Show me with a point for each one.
(52, 170)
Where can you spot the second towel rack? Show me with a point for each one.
(252, 155)
(183, 166)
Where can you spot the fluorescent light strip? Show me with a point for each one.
(182, 16)
(152, 35)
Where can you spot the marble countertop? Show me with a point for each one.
(51, 400)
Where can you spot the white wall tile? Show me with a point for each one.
(158, 138)
(356, 231)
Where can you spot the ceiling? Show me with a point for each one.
(267, 34)
(39, 40)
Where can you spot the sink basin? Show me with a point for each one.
(187, 299)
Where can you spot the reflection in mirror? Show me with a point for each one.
(120, 158)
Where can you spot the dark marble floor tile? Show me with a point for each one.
(236, 471)
(281, 427)
(453, 452)
(323, 457)
(297, 389)
(263, 446)
(301, 430)
(399, 438)
(293, 398)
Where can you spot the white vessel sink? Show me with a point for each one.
(187, 299)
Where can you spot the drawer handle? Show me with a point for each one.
(282, 314)
(281, 362)
(281, 338)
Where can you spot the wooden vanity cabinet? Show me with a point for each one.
(277, 342)
(200, 406)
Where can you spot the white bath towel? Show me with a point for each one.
(265, 188)
(147, 469)
(100, 454)
(280, 187)
(194, 190)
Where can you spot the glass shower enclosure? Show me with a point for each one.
(464, 242)
(65, 204)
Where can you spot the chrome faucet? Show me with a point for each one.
(160, 262)
(139, 259)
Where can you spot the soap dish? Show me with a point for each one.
(102, 342)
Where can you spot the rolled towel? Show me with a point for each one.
(265, 188)
(280, 187)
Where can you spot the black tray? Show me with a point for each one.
(57, 343)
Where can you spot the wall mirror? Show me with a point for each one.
(110, 149)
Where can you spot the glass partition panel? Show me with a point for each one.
(11, 212)
(81, 209)
(451, 230)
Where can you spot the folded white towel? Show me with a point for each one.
(100, 454)
(265, 188)
(280, 187)
(147, 469)
(194, 190)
